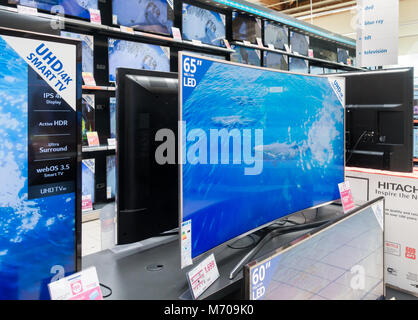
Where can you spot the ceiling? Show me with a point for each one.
(298, 8)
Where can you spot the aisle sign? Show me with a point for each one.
(377, 32)
(203, 276)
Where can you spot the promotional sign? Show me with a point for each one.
(346, 196)
(39, 86)
(203, 276)
(401, 220)
(377, 32)
(80, 286)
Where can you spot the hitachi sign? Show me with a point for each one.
(397, 187)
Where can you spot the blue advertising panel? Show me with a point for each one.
(40, 90)
(256, 145)
(128, 54)
(74, 8)
(203, 25)
(147, 15)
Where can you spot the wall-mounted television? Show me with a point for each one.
(275, 34)
(128, 54)
(75, 8)
(154, 16)
(245, 28)
(298, 65)
(87, 51)
(256, 145)
(246, 55)
(112, 115)
(275, 61)
(299, 43)
(204, 25)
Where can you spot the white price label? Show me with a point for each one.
(186, 244)
(203, 276)
(27, 10)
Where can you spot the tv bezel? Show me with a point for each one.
(180, 151)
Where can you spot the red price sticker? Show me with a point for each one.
(203, 276)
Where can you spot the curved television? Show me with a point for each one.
(256, 145)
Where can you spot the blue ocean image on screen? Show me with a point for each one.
(303, 149)
(146, 15)
(204, 25)
(37, 234)
(76, 8)
(87, 49)
(137, 55)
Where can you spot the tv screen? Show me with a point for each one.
(275, 61)
(245, 28)
(343, 55)
(415, 112)
(128, 54)
(256, 145)
(110, 177)
(88, 167)
(112, 110)
(87, 116)
(416, 142)
(146, 15)
(148, 113)
(380, 119)
(203, 25)
(316, 70)
(87, 51)
(75, 8)
(275, 34)
(246, 55)
(298, 65)
(299, 43)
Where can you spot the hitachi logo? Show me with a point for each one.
(397, 187)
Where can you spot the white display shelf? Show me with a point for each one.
(98, 149)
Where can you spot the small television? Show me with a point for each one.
(125, 54)
(87, 116)
(275, 34)
(74, 8)
(87, 49)
(299, 43)
(112, 114)
(275, 61)
(298, 65)
(246, 55)
(254, 148)
(343, 55)
(110, 177)
(204, 25)
(88, 183)
(147, 191)
(245, 28)
(380, 119)
(155, 16)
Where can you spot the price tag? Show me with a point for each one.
(176, 33)
(203, 276)
(247, 43)
(27, 10)
(95, 16)
(270, 46)
(88, 79)
(80, 286)
(197, 42)
(127, 29)
(260, 43)
(111, 143)
(115, 19)
(227, 45)
(310, 53)
(93, 139)
(346, 196)
(86, 203)
(186, 244)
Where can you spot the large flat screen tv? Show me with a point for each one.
(256, 145)
(75, 8)
(299, 43)
(147, 199)
(245, 28)
(380, 119)
(128, 54)
(204, 25)
(154, 16)
(276, 34)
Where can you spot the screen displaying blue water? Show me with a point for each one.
(246, 55)
(147, 15)
(282, 151)
(204, 25)
(76, 8)
(37, 236)
(128, 54)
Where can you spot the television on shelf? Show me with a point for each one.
(276, 34)
(416, 142)
(155, 16)
(246, 55)
(298, 65)
(380, 119)
(316, 70)
(88, 179)
(124, 54)
(326, 50)
(275, 61)
(73, 8)
(343, 55)
(146, 190)
(110, 177)
(256, 145)
(203, 25)
(245, 28)
(88, 117)
(299, 43)
(112, 114)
